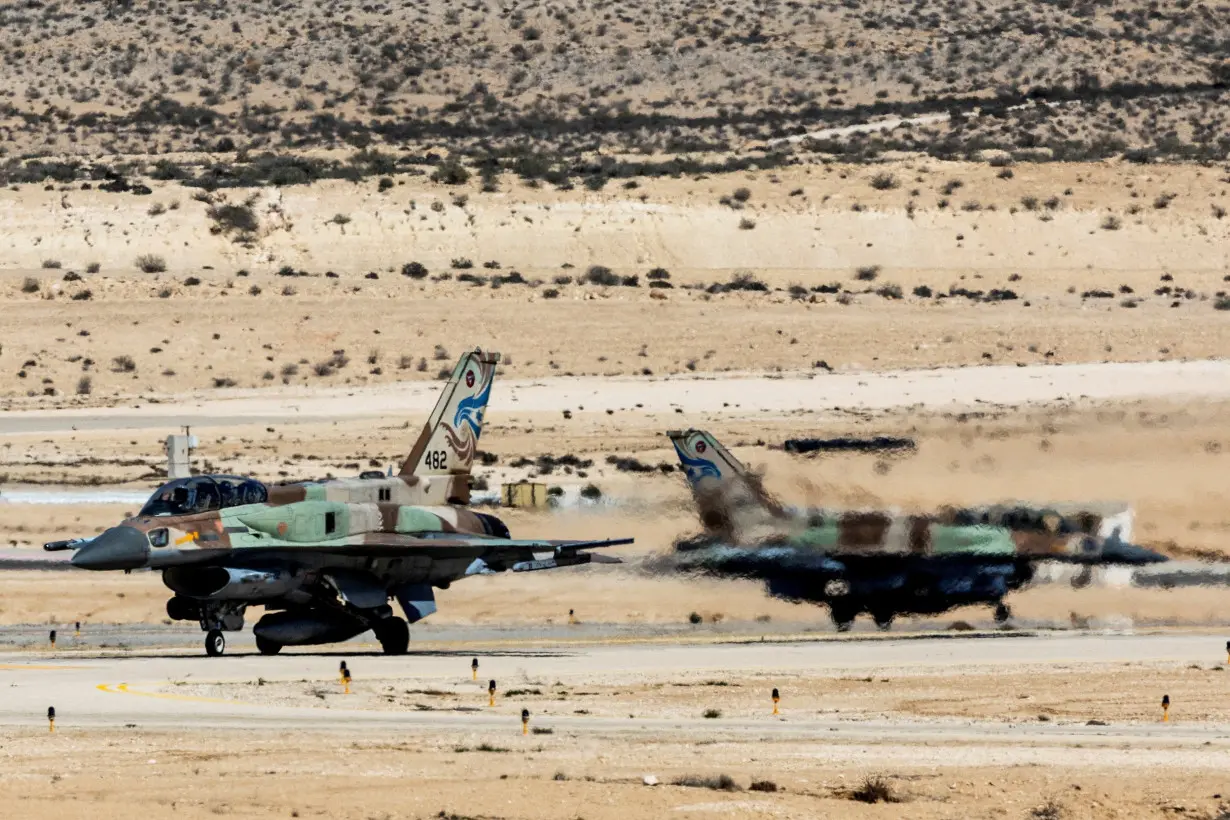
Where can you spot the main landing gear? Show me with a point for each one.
(1003, 613)
(393, 634)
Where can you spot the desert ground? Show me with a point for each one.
(999, 229)
(866, 728)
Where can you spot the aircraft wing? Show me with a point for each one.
(490, 554)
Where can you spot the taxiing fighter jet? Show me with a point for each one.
(324, 558)
(882, 563)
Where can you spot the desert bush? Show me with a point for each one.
(720, 782)
(1111, 223)
(231, 218)
(884, 181)
(29, 285)
(414, 270)
(123, 364)
(150, 263)
(867, 273)
(875, 789)
(450, 172)
(600, 275)
(85, 385)
(51, 264)
(746, 280)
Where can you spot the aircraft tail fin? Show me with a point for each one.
(449, 441)
(703, 457)
(722, 486)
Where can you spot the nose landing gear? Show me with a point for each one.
(215, 643)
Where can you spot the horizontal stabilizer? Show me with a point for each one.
(567, 558)
(566, 545)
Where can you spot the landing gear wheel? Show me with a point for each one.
(883, 619)
(267, 647)
(215, 643)
(1002, 613)
(843, 616)
(393, 634)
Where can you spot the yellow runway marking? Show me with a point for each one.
(123, 688)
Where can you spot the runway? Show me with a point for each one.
(92, 690)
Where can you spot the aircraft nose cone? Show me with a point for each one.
(117, 548)
(1117, 552)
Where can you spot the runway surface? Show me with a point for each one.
(94, 690)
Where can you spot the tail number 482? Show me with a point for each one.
(436, 459)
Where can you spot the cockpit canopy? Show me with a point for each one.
(186, 496)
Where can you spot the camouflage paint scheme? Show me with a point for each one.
(881, 562)
(325, 557)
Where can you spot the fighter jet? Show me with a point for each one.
(880, 562)
(324, 558)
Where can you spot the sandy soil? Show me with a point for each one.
(112, 774)
(202, 324)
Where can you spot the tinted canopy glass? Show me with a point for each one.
(186, 496)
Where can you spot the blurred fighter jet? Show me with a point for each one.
(324, 558)
(882, 563)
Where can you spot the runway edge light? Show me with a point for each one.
(525, 721)
(51, 718)
(53, 639)
(342, 672)
(1165, 708)
(474, 669)
(346, 681)
(776, 698)
(491, 693)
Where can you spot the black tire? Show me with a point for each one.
(267, 647)
(1003, 613)
(394, 635)
(215, 643)
(843, 616)
(883, 619)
